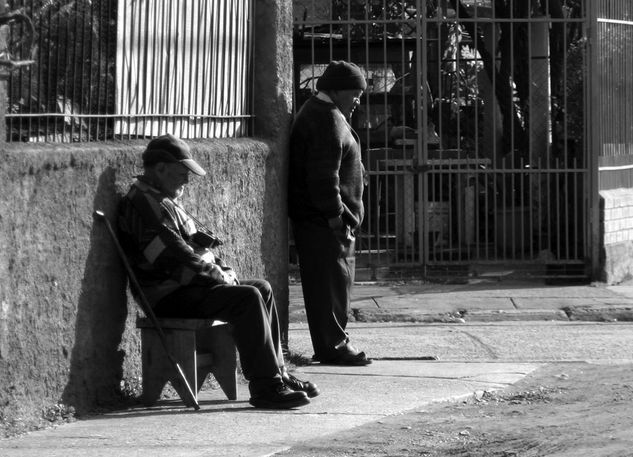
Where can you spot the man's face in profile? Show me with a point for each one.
(347, 100)
(173, 177)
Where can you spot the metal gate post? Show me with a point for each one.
(592, 142)
(421, 123)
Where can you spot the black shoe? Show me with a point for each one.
(278, 396)
(348, 360)
(346, 355)
(298, 385)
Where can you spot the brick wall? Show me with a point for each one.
(616, 219)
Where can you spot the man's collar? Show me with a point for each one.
(324, 97)
(145, 184)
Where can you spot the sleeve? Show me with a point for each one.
(323, 155)
(153, 234)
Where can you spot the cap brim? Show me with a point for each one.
(193, 166)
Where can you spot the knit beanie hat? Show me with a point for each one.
(341, 75)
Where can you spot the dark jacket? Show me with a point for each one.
(326, 175)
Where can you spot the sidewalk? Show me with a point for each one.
(481, 301)
(428, 319)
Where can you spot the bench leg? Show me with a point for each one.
(157, 368)
(219, 342)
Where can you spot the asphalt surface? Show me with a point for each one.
(486, 335)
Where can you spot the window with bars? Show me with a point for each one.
(132, 69)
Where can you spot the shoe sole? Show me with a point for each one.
(347, 363)
(358, 360)
(267, 404)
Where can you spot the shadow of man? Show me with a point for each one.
(96, 366)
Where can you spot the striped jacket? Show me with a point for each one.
(156, 235)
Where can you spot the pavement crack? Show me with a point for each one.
(491, 352)
(513, 303)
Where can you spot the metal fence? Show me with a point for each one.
(131, 68)
(472, 129)
(614, 123)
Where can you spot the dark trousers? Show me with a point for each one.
(326, 264)
(250, 308)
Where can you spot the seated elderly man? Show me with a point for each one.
(172, 258)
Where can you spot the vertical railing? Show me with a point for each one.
(188, 79)
(614, 25)
(66, 95)
(133, 68)
(482, 156)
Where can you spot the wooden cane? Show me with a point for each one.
(147, 309)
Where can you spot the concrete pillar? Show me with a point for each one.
(273, 110)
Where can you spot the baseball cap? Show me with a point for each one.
(169, 149)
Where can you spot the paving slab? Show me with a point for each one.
(479, 301)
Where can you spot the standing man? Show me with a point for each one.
(326, 180)
(170, 253)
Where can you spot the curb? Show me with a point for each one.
(600, 314)
(568, 314)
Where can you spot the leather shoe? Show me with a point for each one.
(278, 396)
(346, 355)
(348, 360)
(298, 385)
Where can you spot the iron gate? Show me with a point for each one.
(472, 128)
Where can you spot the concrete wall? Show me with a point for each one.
(66, 323)
(616, 221)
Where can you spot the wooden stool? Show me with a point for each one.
(201, 346)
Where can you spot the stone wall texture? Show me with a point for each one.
(67, 324)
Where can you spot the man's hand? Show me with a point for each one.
(341, 229)
(207, 256)
(223, 276)
(230, 276)
(335, 223)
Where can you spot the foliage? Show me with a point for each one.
(130, 389)
(402, 10)
(460, 65)
(74, 68)
(569, 109)
(59, 413)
